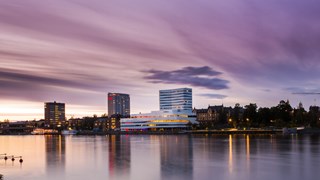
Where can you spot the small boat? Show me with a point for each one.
(69, 132)
(38, 131)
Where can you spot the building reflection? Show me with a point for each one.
(119, 155)
(176, 154)
(55, 154)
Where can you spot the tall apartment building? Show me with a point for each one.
(54, 114)
(175, 99)
(118, 104)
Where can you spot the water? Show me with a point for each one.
(139, 157)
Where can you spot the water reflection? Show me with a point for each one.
(55, 148)
(232, 157)
(176, 153)
(230, 154)
(119, 155)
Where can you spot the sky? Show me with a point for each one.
(227, 51)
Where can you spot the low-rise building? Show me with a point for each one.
(113, 123)
(100, 125)
(18, 127)
(208, 117)
(164, 120)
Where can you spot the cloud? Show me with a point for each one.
(253, 41)
(214, 96)
(307, 93)
(193, 76)
(39, 86)
(303, 91)
(74, 49)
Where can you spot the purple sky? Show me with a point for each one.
(76, 51)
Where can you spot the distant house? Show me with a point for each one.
(213, 116)
(210, 116)
(100, 125)
(19, 127)
(113, 122)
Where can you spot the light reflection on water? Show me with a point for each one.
(238, 157)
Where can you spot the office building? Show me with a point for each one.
(54, 114)
(118, 104)
(174, 99)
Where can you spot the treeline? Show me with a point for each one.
(282, 115)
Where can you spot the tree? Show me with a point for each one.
(299, 116)
(313, 116)
(284, 113)
(250, 115)
(237, 114)
(104, 115)
(264, 117)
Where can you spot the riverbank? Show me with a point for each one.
(229, 131)
(315, 131)
(183, 132)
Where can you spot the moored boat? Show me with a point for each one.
(69, 132)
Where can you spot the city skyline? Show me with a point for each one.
(76, 51)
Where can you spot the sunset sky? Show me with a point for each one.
(227, 51)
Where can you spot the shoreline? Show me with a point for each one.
(189, 132)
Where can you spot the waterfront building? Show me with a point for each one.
(218, 116)
(113, 122)
(159, 121)
(172, 99)
(85, 123)
(54, 114)
(18, 127)
(175, 113)
(210, 116)
(118, 104)
(75, 123)
(100, 124)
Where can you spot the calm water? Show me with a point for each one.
(238, 157)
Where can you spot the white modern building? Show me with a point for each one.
(159, 120)
(176, 99)
(175, 113)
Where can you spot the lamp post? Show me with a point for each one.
(248, 125)
(230, 121)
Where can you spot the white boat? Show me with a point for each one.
(69, 132)
(38, 131)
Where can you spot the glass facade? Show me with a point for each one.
(118, 104)
(173, 99)
(159, 120)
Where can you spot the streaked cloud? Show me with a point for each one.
(214, 96)
(78, 50)
(194, 76)
(303, 90)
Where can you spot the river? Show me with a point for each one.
(144, 157)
